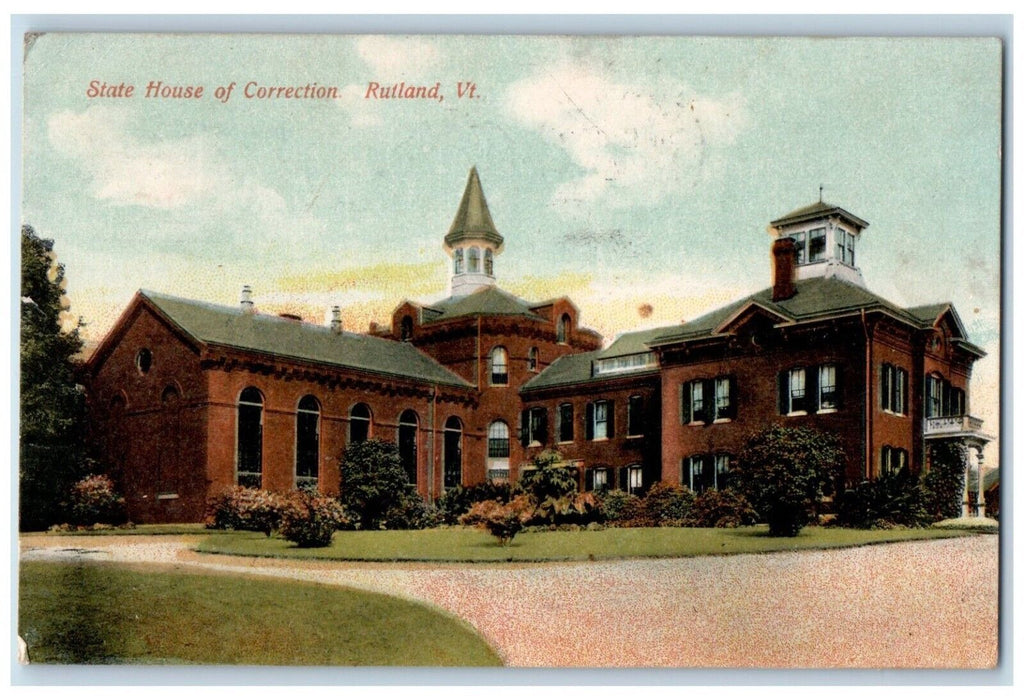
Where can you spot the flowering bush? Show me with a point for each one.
(94, 501)
(571, 509)
(503, 520)
(310, 520)
(241, 508)
(721, 509)
(457, 501)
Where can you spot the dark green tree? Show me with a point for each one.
(52, 455)
(943, 483)
(373, 481)
(785, 473)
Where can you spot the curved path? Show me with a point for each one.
(923, 604)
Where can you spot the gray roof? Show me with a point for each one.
(633, 343)
(489, 301)
(815, 298)
(229, 326)
(928, 313)
(473, 219)
(818, 210)
(568, 369)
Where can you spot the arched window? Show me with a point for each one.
(474, 260)
(497, 440)
(307, 443)
(359, 423)
(407, 328)
(489, 262)
(452, 453)
(532, 359)
(408, 424)
(499, 366)
(564, 328)
(458, 261)
(249, 454)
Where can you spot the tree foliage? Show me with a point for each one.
(373, 481)
(892, 500)
(943, 483)
(52, 427)
(786, 472)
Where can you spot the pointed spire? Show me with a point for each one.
(473, 219)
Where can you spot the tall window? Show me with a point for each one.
(359, 423)
(800, 244)
(531, 360)
(827, 391)
(407, 328)
(708, 400)
(793, 391)
(498, 440)
(600, 420)
(943, 399)
(565, 419)
(307, 443)
(459, 261)
(499, 366)
(722, 466)
(894, 389)
(452, 453)
(635, 417)
(634, 478)
(489, 262)
(816, 245)
(597, 479)
(474, 260)
(844, 246)
(703, 472)
(408, 425)
(534, 422)
(249, 453)
(563, 328)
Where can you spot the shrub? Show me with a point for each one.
(456, 502)
(889, 501)
(622, 509)
(571, 509)
(785, 473)
(241, 508)
(373, 481)
(546, 480)
(94, 501)
(943, 483)
(503, 520)
(411, 513)
(667, 504)
(725, 508)
(310, 520)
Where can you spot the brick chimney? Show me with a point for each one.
(247, 305)
(336, 324)
(783, 269)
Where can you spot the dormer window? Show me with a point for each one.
(844, 246)
(816, 245)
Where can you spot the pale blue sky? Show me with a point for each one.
(619, 170)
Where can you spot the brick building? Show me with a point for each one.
(188, 398)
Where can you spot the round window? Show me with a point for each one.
(143, 360)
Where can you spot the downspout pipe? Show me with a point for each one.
(869, 394)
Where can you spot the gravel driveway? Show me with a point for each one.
(924, 604)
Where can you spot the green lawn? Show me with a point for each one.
(473, 545)
(168, 529)
(87, 613)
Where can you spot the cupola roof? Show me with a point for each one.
(473, 219)
(818, 210)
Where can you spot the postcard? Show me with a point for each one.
(522, 351)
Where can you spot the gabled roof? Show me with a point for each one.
(272, 335)
(931, 314)
(568, 369)
(632, 343)
(489, 301)
(818, 210)
(473, 219)
(818, 297)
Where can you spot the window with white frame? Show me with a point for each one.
(497, 440)
(499, 366)
(723, 398)
(459, 261)
(599, 479)
(599, 420)
(800, 244)
(827, 388)
(844, 246)
(634, 478)
(816, 245)
(708, 400)
(473, 260)
(796, 391)
(893, 460)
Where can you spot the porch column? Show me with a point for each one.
(965, 508)
(981, 482)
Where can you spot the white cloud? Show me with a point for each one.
(126, 170)
(361, 111)
(394, 57)
(636, 143)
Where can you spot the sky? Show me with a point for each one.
(635, 175)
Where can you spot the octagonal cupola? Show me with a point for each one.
(472, 241)
(825, 241)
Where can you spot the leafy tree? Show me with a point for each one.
(943, 483)
(547, 481)
(373, 481)
(52, 429)
(786, 472)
